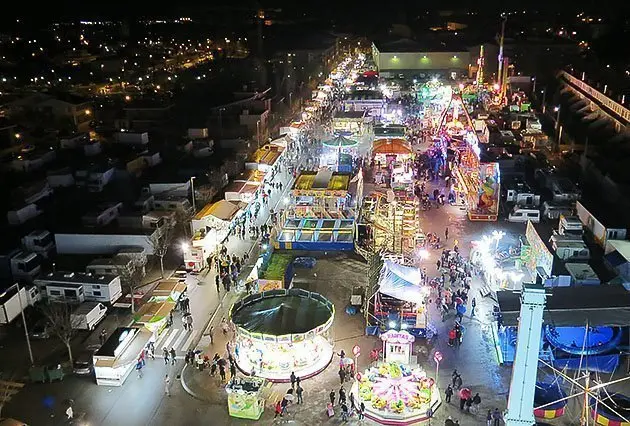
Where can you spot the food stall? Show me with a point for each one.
(117, 358)
(283, 331)
(389, 154)
(153, 315)
(245, 397)
(168, 291)
(350, 123)
(397, 346)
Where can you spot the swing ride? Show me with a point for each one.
(552, 397)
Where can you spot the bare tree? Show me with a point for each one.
(183, 217)
(7, 390)
(161, 241)
(132, 275)
(62, 324)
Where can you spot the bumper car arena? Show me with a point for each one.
(283, 331)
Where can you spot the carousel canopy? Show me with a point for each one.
(391, 146)
(401, 282)
(340, 142)
(282, 312)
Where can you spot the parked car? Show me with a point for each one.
(41, 330)
(180, 274)
(83, 363)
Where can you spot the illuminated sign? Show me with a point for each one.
(539, 254)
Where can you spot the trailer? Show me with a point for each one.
(88, 315)
(13, 303)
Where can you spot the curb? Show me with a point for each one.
(187, 388)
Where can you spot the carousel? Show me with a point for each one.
(339, 154)
(283, 331)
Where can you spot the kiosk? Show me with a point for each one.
(397, 346)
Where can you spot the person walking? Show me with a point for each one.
(102, 337)
(232, 371)
(299, 391)
(454, 376)
(173, 354)
(342, 375)
(446, 234)
(473, 303)
(165, 354)
(342, 395)
(496, 417)
(361, 411)
(217, 281)
(222, 372)
(278, 409)
(476, 401)
(462, 402)
(353, 407)
(489, 418)
(139, 368)
(293, 379)
(211, 335)
(167, 383)
(344, 412)
(448, 393)
(332, 397)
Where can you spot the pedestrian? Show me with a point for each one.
(232, 371)
(222, 372)
(297, 381)
(278, 409)
(173, 354)
(344, 412)
(352, 406)
(458, 382)
(469, 403)
(332, 397)
(293, 378)
(102, 337)
(496, 417)
(473, 303)
(284, 404)
(476, 401)
(187, 358)
(165, 354)
(342, 395)
(489, 418)
(167, 383)
(361, 410)
(139, 368)
(211, 334)
(299, 391)
(189, 320)
(448, 393)
(446, 234)
(342, 375)
(462, 402)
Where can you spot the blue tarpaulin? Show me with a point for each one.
(401, 282)
(600, 363)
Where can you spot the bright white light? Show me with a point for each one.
(423, 254)
(404, 326)
(286, 200)
(556, 109)
(265, 246)
(392, 324)
(185, 246)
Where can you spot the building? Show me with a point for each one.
(410, 59)
(79, 286)
(76, 109)
(94, 176)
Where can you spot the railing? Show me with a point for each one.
(619, 110)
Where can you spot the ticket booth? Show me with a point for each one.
(397, 346)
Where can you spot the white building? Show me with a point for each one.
(79, 286)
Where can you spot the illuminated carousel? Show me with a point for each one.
(283, 331)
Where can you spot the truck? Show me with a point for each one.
(39, 241)
(87, 315)
(12, 302)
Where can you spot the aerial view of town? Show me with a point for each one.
(234, 213)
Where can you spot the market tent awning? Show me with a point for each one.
(606, 304)
(224, 210)
(391, 146)
(340, 142)
(401, 282)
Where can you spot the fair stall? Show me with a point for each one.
(283, 331)
(245, 397)
(397, 346)
(351, 123)
(117, 358)
(153, 315)
(168, 290)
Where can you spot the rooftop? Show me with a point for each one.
(77, 278)
(425, 44)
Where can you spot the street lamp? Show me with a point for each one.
(28, 340)
(258, 133)
(192, 188)
(497, 236)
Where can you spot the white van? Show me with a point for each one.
(572, 250)
(520, 214)
(88, 315)
(553, 210)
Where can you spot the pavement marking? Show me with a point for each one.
(162, 336)
(180, 339)
(171, 336)
(190, 339)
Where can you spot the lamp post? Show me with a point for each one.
(558, 127)
(192, 189)
(28, 340)
(221, 122)
(258, 133)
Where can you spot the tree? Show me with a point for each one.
(62, 324)
(183, 218)
(132, 275)
(161, 241)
